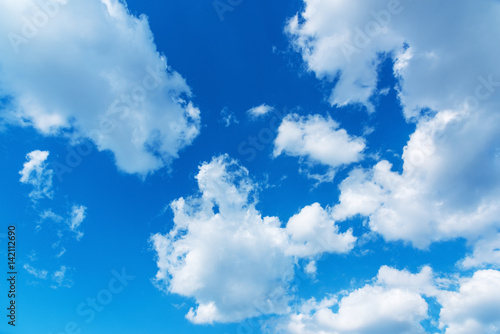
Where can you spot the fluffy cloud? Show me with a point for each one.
(394, 303)
(344, 39)
(35, 173)
(231, 260)
(261, 110)
(486, 252)
(474, 307)
(448, 84)
(423, 282)
(441, 194)
(389, 305)
(90, 70)
(317, 140)
(313, 231)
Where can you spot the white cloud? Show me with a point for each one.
(61, 252)
(228, 117)
(311, 268)
(442, 193)
(313, 231)
(38, 273)
(233, 261)
(78, 214)
(60, 279)
(423, 282)
(69, 224)
(92, 70)
(450, 182)
(474, 307)
(486, 252)
(261, 110)
(317, 141)
(49, 214)
(345, 39)
(36, 173)
(386, 306)
(394, 303)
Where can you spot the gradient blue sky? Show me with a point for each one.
(248, 59)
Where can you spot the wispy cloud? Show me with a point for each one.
(78, 214)
(261, 110)
(36, 173)
(38, 273)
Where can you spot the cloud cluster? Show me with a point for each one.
(317, 140)
(99, 78)
(233, 261)
(448, 86)
(386, 306)
(442, 193)
(396, 303)
(36, 173)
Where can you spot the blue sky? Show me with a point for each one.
(309, 166)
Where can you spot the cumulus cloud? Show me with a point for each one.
(474, 307)
(311, 268)
(448, 86)
(313, 231)
(261, 110)
(36, 173)
(441, 194)
(233, 261)
(91, 70)
(317, 141)
(486, 253)
(230, 261)
(394, 303)
(386, 306)
(344, 40)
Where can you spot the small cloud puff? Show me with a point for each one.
(35, 173)
(261, 110)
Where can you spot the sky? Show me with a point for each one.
(235, 166)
